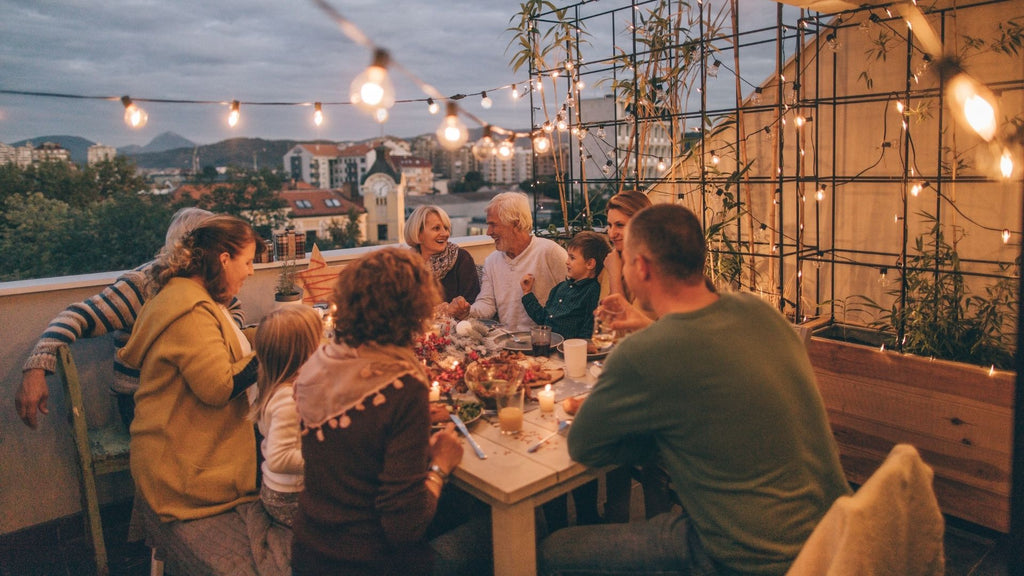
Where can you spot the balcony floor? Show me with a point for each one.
(61, 548)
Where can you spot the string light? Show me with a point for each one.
(713, 70)
(661, 164)
(714, 158)
(1006, 236)
(973, 104)
(819, 195)
(541, 143)
(515, 92)
(484, 147)
(380, 115)
(485, 102)
(755, 98)
(318, 113)
(1006, 164)
(507, 148)
(607, 168)
(372, 89)
(234, 114)
(452, 134)
(432, 106)
(134, 116)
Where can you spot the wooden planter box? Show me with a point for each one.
(960, 418)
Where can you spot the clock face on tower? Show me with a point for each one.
(381, 185)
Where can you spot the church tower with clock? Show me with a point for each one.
(383, 193)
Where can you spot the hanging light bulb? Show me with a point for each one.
(561, 124)
(485, 102)
(1006, 235)
(569, 65)
(713, 69)
(973, 104)
(916, 188)
(541, 143)
(484, 147)
(547, 126)
(134, 116)
(714, 158)
(580, 84)
(432, 106)
(381, 115)
(452, 133)
(570, 101)
(318, 113)
(515, 92)
(661, 164)
(582, 133)
(234, 114)
(755, 98)
(373, 89)
(899, 106)
(607, 168)
(1006, 164)
(507, 149)
(819, 195)
(799, 121)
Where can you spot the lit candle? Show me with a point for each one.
(547, 399)
(435, 392)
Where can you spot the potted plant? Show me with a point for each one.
(287, 289)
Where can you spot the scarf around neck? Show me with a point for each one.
(338, 378)
(443, 262)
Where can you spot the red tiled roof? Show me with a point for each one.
(357, 150)
(321, 149)
(318, 203)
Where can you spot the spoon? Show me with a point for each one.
(562, 425)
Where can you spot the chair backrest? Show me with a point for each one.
(891, 525)
(100, 450)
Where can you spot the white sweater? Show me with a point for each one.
(282, 443)
(500, 291)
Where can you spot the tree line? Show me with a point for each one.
(59, 219)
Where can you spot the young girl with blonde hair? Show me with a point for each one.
(285, 339)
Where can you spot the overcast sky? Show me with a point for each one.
(257, 51)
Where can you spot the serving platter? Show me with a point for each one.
(506, 341)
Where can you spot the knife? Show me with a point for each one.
(469, 437)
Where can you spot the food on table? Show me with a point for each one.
(468, 411)
(572, 404)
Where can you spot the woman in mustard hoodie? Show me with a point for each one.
(193, 453)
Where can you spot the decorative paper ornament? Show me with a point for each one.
(318, 279)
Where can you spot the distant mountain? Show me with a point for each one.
(76, 145)
(162, 143)
(245, 152)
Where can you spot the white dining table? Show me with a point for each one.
(514, 481)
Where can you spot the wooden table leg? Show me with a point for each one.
(515, 539)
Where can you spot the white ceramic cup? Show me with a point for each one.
(575, 350)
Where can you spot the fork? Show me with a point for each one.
(562, 425)
(511, 335)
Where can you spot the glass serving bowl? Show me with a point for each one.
(484, 377)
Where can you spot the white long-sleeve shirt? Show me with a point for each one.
(500, 291)
(282, 443)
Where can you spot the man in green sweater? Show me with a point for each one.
(720, 389)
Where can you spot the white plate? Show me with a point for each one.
(505, 341)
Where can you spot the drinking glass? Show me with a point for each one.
(540, 340)
(509, 397)
(604, 336)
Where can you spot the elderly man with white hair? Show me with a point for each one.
(516, 252)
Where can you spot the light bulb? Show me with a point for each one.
(714, 158)
(713, 70)
(561, 124)
(820, 194)
(580, 84)
(915, 189)
(547, 127)
(541, 143)
(452, 134)
(607, 168)
(1006, 164)
(899, 106)
(380, 115)
(484, 147)
(485, 101)
(661, 164)
(234, 114)
(432, 106)
(134, 116)
(799, 121)
(373, 89)
(1006, 235)
(755, 98)
(318, 114)
(515, 92)
(973, 104)
(507, 149)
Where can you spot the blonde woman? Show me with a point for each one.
(427, 231)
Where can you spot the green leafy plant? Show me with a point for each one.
(940, 317)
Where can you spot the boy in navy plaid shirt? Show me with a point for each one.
(570, 306)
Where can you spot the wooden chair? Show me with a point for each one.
(100, 451)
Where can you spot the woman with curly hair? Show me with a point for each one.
(373, 471)
(193, 452)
